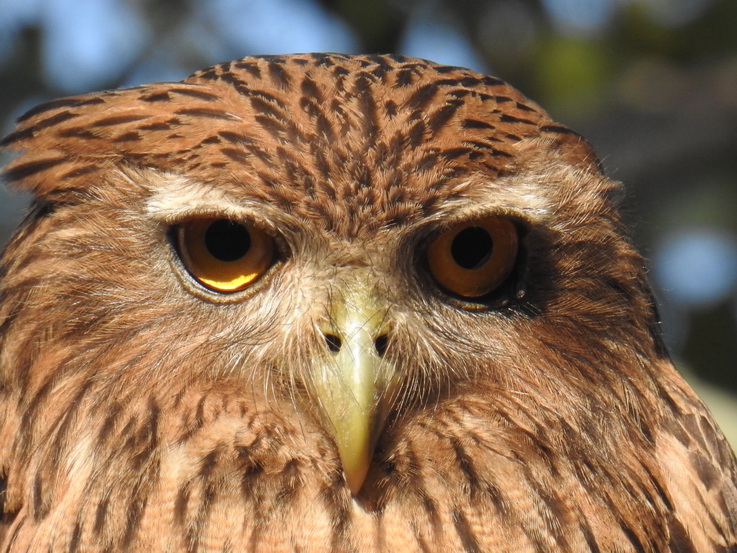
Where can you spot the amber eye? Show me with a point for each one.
(473, 258)
(223, 255)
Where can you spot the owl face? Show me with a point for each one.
(371, 289)
(350, 239)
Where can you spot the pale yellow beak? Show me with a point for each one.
(354, 384)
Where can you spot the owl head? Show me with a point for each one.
(352, 245)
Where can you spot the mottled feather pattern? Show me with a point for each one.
(137, 416)
(291, 126)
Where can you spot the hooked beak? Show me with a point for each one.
(355, 384)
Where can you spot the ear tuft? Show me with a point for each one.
(62, 141)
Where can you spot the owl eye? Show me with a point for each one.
(223, 255)
(473, 258)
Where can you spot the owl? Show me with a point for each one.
(327, 303)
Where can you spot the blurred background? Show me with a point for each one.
(651, 83)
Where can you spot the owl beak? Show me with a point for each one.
(354, 385)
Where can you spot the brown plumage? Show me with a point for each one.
(518, 395)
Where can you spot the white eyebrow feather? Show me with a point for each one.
(175, 197)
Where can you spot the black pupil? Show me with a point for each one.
(227, 240)
(472, 247)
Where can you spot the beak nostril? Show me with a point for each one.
(334, 342)
(381, 343)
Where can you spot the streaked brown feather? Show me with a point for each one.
(136, 417)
